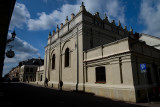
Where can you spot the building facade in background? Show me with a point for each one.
(40, 75)
(13, 75)
(28, 69)
(150, 40)
(94, 55)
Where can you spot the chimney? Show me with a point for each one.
(66, 19)
(57, 29)
(53, 32)
(82, 7)
(72, 16)
(49, 35)
(125, 28)
(105, 18)
(131, 30)
(97, 14)
(61, 25)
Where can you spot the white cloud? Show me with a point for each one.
(45, 1)
(23, 51)
(113, 8)
(20, 45)
(20, 16)
(47, 21)
(150, 16)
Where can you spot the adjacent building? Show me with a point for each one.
(13, 75)
(40, 75)
(94, 55)
(150, 40)
(28, 69)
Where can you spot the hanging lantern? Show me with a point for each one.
(13, 34)
(10, 53)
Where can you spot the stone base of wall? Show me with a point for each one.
(117, 93)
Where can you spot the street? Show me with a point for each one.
(24, 95)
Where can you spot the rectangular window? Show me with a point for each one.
(31, 69)
(100, 75)
(27, 69)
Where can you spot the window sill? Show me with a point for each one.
(100, 82)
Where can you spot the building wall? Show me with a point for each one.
(151, 57)
(100, 43)
(119, 82)
(150, 40)
(126, 82)
(66, 40)
(28, 76)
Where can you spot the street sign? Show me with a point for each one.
(143, 68)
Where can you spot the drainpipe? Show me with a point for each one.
(49, 61)
(45, 64)
(60, 61)
(77, 62)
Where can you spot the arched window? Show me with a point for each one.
(100, 75)
(53, 61)
(67, 57)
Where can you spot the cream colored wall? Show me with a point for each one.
(107, 55)
(67, 74)
(113, 88)
(54, 73)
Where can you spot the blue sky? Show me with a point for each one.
(34, 19)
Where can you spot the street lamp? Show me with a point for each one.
(10, 53)
(12, 38)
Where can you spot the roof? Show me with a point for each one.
(33, 61)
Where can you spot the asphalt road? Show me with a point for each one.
(26, 95)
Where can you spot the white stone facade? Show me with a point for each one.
(86, 43)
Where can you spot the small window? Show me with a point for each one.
(31, 69)
(27, 69)
(100, 75)
(67, 57)
(53, 61)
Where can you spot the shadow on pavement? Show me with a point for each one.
(25, 95)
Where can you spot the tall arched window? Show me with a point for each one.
(67, 57)
(53, 61)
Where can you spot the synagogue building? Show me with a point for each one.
(94, 55)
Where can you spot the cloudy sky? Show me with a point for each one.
(34, 19)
